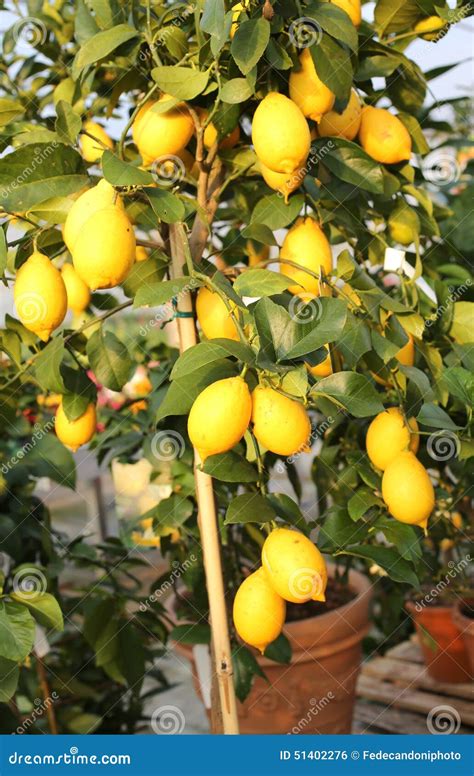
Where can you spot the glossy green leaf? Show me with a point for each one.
(184, 83)
(249, 508)
(109, 359)
(249, 43)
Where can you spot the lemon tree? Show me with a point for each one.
(267, 167)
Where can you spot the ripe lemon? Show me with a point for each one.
(352, 9)
(388, 435)
(78, 292)
(345, 124)
(141, 253)
(85, 205)
(285, 183)
(308, 91)
(236, 11)
(404, 224)
(407, 490)
(213, 316)
(280, 134)
(383, 136)
(456, 519)
(406, 354)
(258, 612)
(220, 416)
(92, 151)
(295, 567)
(40, 295)
(280, 424)
(429, 27)
(306, 245)
(162, 134)
(229, 141)
(256, 256)
(324, 369)
(74, 433)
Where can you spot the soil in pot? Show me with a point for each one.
(316, 692)
(441, 642)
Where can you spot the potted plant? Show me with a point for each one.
(351, 349)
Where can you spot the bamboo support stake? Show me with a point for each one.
(207, 519)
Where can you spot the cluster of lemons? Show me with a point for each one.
(392, 443)
(292, 570)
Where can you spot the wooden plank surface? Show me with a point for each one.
(374, 718)
(406, 651)
(415, 675)
(411, 699)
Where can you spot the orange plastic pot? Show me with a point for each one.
(316, 692)
(466, 626)
(441, 642)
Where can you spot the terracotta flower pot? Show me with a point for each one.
(466, 626)
(441, 642)
(316, 692)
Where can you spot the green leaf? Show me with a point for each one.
(396, 15)
(435, 417)
(249, 43)
(338, 531)
(333, 66)
(9, 675)
(120, 173)
(350, 163)
(68, 124)
(109, 359)
(259, 232)
(354, 340)
(102, 44)
(158, 294)
(261, 282)
(184, 83)
(288, 510)
(361, 502)
(352, 391)
(44, 608)
(191, 633)
(10, 110)
(17, 631)
(206, 352)
(168, 207)
(249, 508)
(236, 90)
(230, 467)
(3, 253)
(245, 667)
(49, 458)
(53, 171)
(48, 366)
(326, 319)
(212, 19)
(335, 22)
(387, 558)
(420, 145)
(404, 537)
(173, 511)
(273, 211)
(143, 274)
(460, 383)
(279, 650)
(277, 56)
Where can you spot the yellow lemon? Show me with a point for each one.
(406, 354)
(104, 252)
(456, 519)
(257, 256)
(345, 124)
(280, 424)
(141, 253)
(40, 295)
(220, 416)
(295, 567)
(74, 433)
(308, 91)
(324, 369)
(404, 224)
(236, 11)
(85, 205)
(407, 490)
(285, 183)
(352, 9)
(388, 435)
(429, 27)
(213, 316)
(78, 292)
(229, 141)
(383, 136)
(280, 134)
(306, 245)
(162, 134)
(92, 151)
(258, 611)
